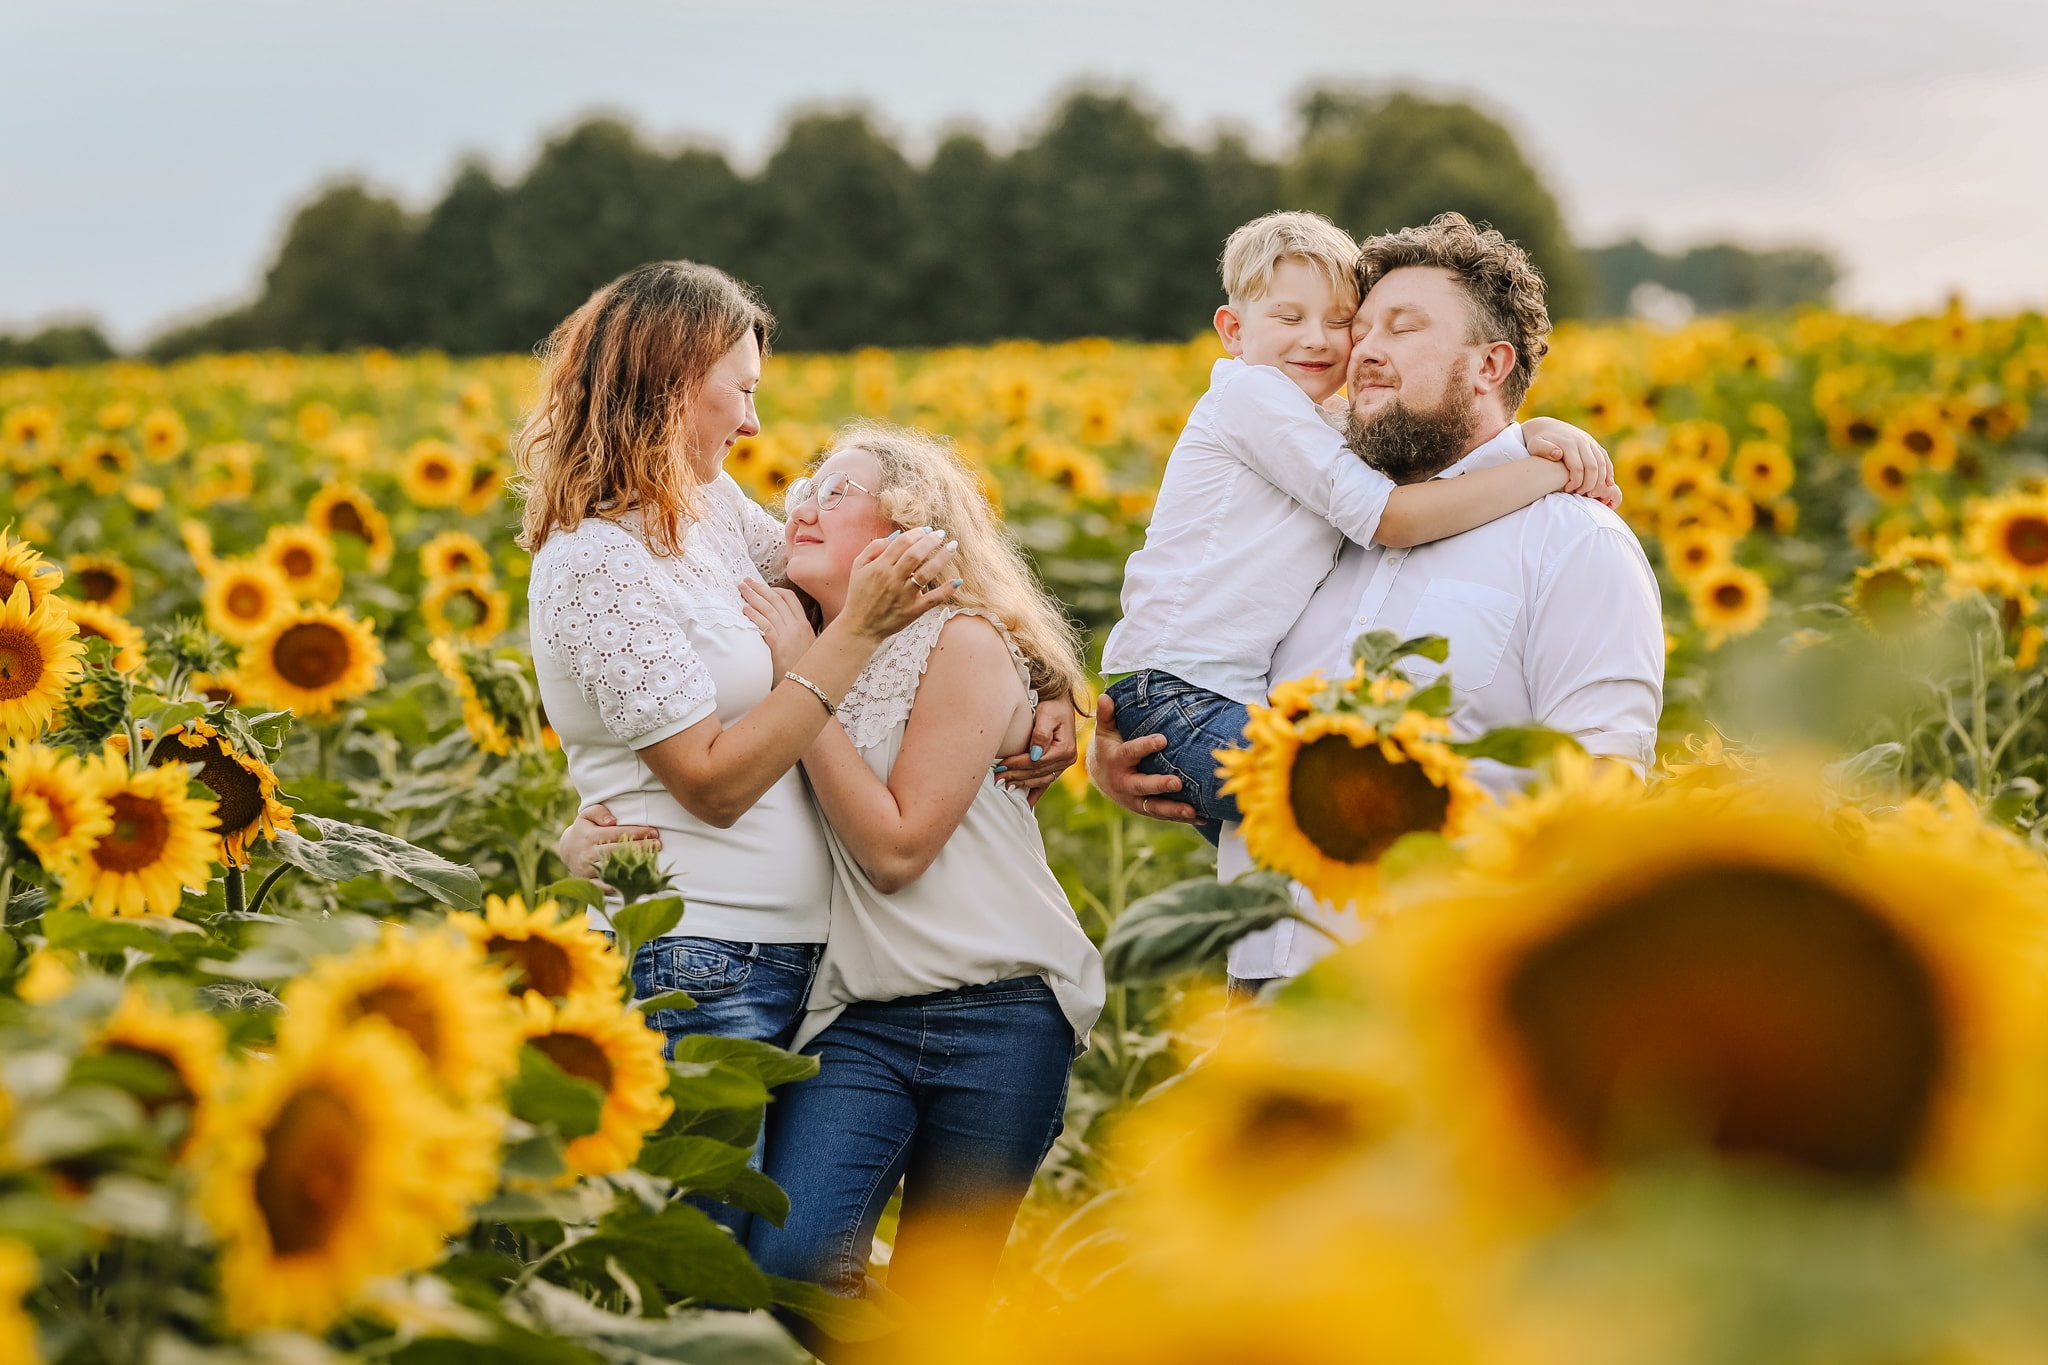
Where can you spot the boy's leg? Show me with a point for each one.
(1196, 723)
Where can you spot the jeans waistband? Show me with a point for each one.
(985, 993)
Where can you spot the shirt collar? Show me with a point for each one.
(1508, 445)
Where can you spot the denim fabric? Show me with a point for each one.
(1196, 723)
(959, 1094)
(742, 990)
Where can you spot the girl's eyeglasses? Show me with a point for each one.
(830, 491)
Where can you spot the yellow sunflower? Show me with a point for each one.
(33, 433)
(321, 1175)
(61, 815)
(305, 557)
(1922, 552)
(342, 509)
(468, 607)
(21, 562)
(223, 472)
(104, 581)
(189, 1044)
(1996, 581)
(1696, 551)
(595, 1038)
(310, 659)
(96, 622)
(491, 732)
(197, 538)
(103, 462)
(163, 435)
(550, 954)
(453, 554)
(1729, 601)
(1888, 473)
(1923, 435)
(19, 1273)
(1752, 978)
(243, 784)
(1763, 469)
(435, 988)
(39, 658)
(1325, 795)
(160, 841)
(242, 596)
(486, 481)
(2012, 532)
(1888, 594)
(435, 474)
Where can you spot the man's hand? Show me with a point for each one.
(1113, 765)
(1052, 750)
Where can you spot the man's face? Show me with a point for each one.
(1413, 375)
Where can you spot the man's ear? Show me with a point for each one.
(1228, 328)
(1496, 363)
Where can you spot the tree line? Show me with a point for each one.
(1100, 223)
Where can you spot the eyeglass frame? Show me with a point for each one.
(807, 488)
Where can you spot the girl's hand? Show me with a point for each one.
(779, 615)
(1053, 750)
(1585, 462)
(585, 842)
(899, 579)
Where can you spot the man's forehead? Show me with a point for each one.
(1413, 287)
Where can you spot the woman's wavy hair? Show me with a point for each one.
(925, 482)
(609, 431)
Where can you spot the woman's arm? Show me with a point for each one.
(966, 700)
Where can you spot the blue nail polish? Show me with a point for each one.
(894, 534)
(1037, 752)
(1002, 767)
(958, 581)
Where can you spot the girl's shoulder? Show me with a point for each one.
(882, 696)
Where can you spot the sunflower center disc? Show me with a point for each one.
(97, 584)
(21, 665)
(543, 966)
(308, 1176)
(298, 562)
(408, 1012)
(311, 655)
(349, 522)
(1352, 804)
(577, 1056)
(2027, 541)
(1753, 1011)
(238, 791)
(141, 830)
(246, 601)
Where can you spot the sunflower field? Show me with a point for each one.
(307, 1053)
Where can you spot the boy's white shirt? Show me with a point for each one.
(1259, 495)
(1553, 618)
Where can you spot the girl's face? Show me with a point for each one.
(723, 410)
(824, 543)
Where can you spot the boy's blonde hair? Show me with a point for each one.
(925, 482)
(1255, 249)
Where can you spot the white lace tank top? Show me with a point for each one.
(987, 909)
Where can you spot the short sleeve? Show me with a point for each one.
(1276, 430)
(602, 609)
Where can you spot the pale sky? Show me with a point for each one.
(150, 151)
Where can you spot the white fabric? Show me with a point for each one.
(1259, 494)
(987, 909)
(630, 648)
(1553, 617)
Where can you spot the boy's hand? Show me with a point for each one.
(1586, 464)
(1052, 750)
(1113, 767)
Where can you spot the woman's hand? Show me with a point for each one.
(1586, 464)
(897, 580)
(593, 834)
(779, 615)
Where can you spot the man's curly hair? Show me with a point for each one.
(1504, 286)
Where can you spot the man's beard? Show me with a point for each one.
(1410, 444)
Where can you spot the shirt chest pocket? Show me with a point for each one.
(1475, 618)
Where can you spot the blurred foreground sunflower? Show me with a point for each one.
(159, 841)
(242, 596)
(552, 954)
(1888, 594)
(1326, 794)
(310, 659)
(596, 1038)
(188, 1046)
(40, 656)
(19, 1273)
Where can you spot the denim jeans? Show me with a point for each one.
(958, 1094)
(1196, 723)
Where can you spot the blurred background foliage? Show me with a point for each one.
(1099, 223)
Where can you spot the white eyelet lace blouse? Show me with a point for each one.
(987, 909)
(631, 648)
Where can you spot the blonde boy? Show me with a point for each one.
(1260, 493)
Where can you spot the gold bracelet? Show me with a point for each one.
(801, 681)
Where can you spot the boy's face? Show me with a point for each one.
(1301, 327)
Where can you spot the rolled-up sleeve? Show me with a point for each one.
(1275, 429)
(1595, 654)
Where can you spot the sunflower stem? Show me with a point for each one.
(263, 887)
(233, 891)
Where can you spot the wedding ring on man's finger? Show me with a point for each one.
(1145, 806)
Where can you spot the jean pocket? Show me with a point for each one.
(707, 970)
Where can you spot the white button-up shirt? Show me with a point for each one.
(1259, 494)
(1553, 618)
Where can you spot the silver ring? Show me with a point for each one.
(1145, 806)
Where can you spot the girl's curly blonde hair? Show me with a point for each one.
(925, 482)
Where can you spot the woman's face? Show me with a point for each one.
(723, 410)
(823, 544)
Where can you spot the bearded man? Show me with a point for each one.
(1552, 612)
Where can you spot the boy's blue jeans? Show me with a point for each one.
(1196, 723)
(959, 1094)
